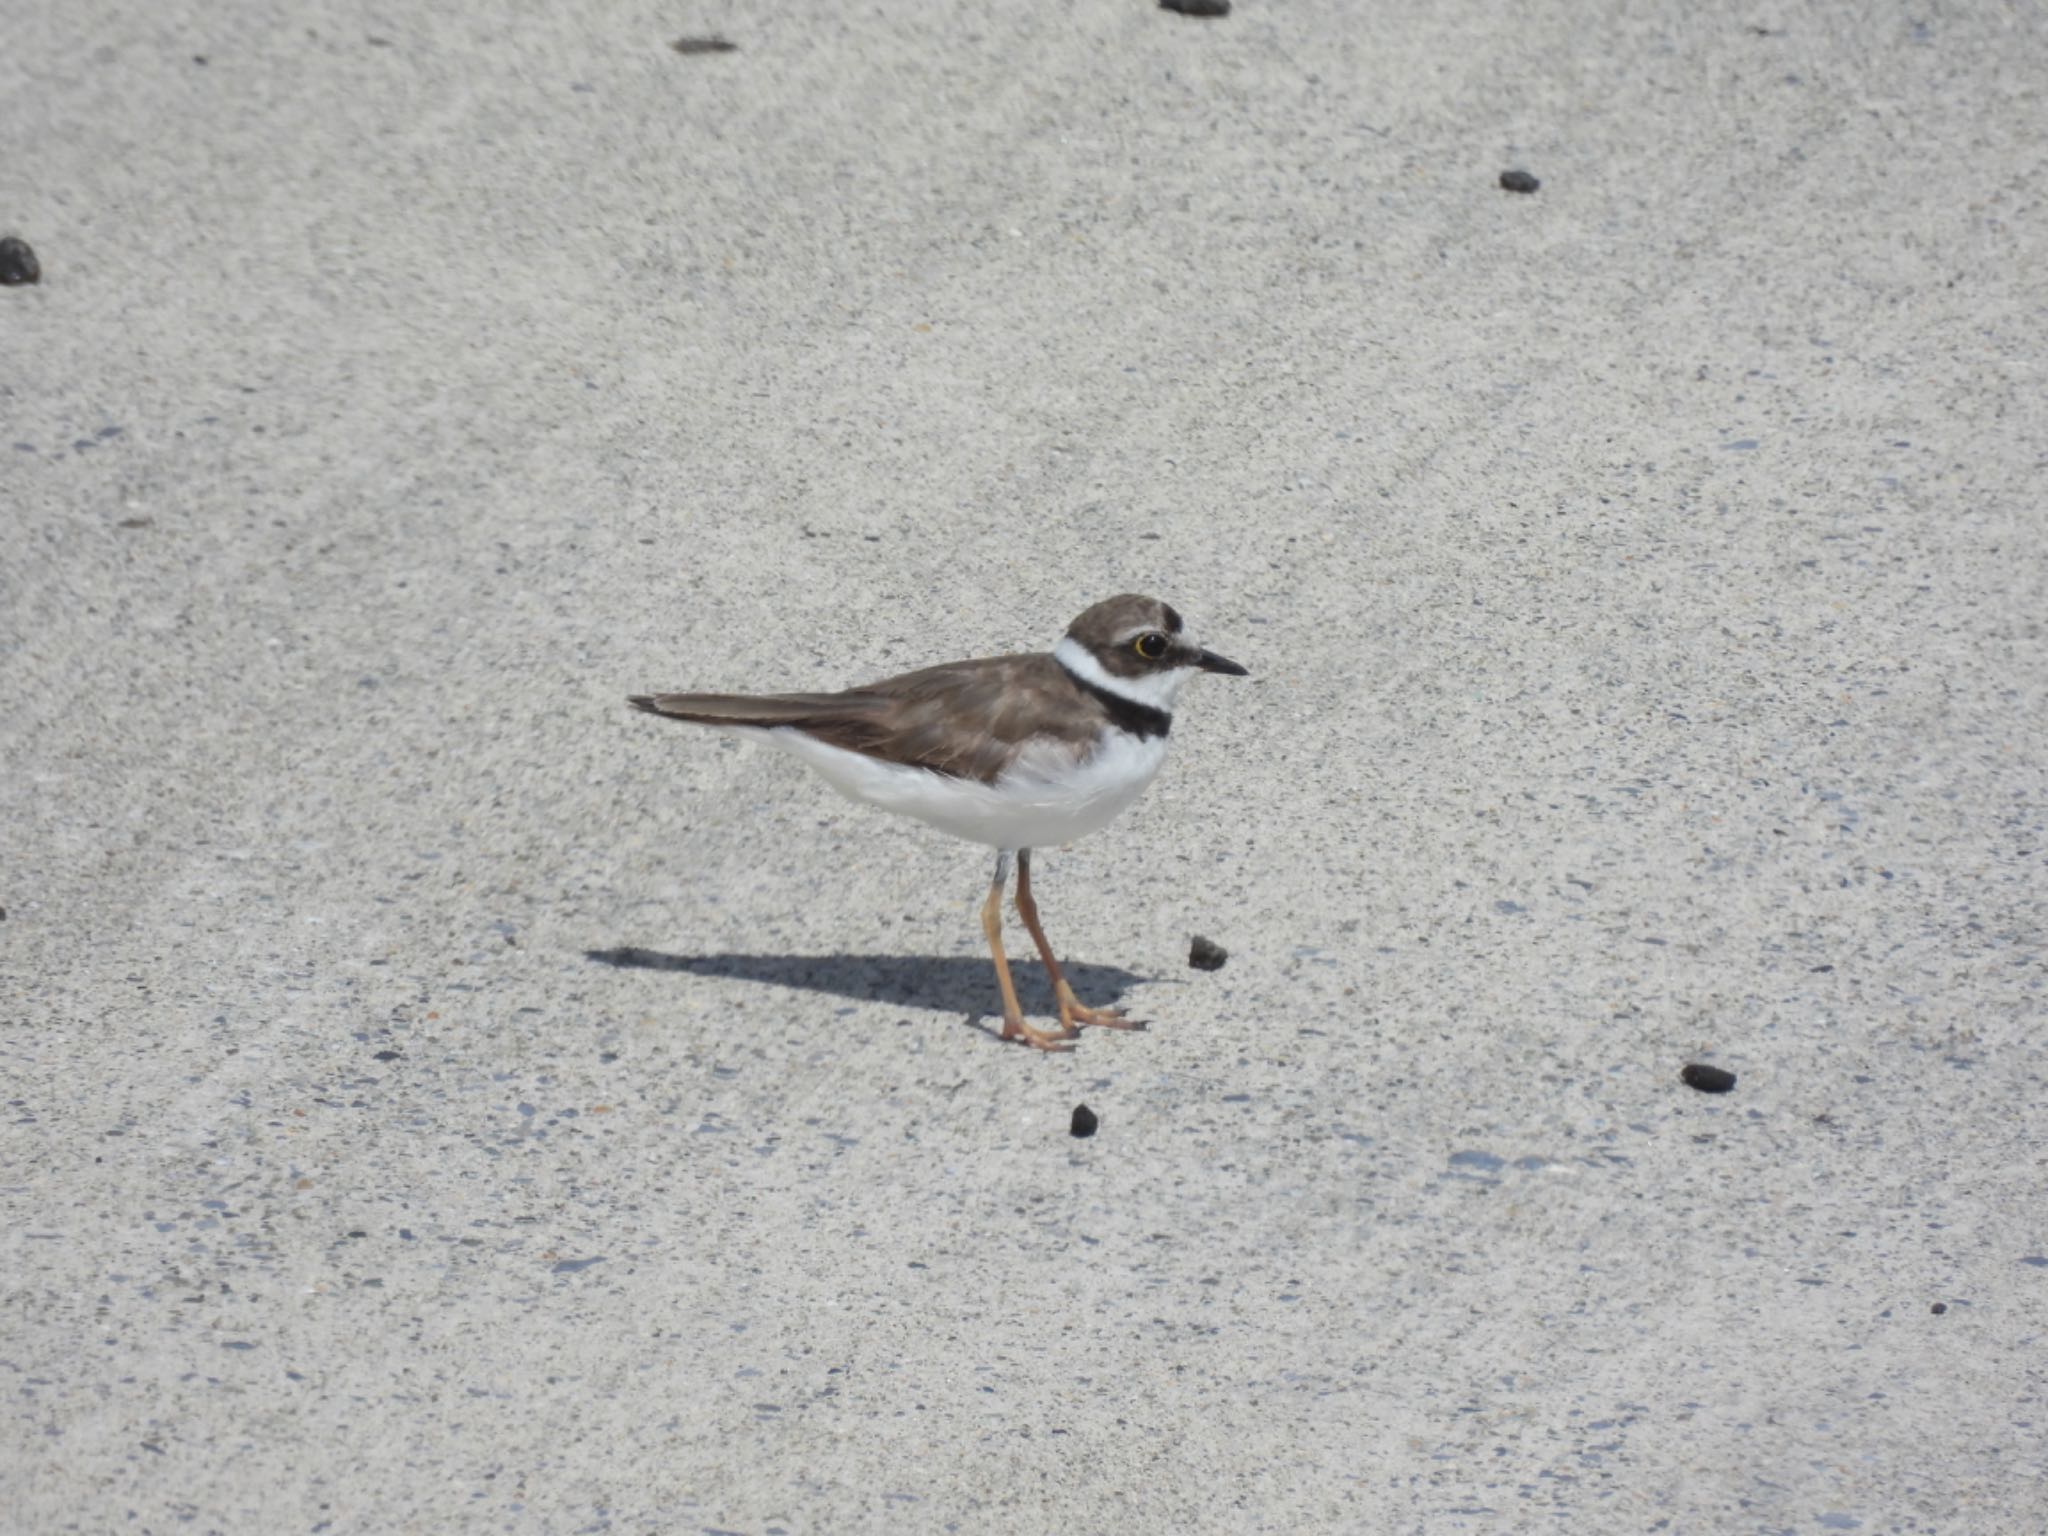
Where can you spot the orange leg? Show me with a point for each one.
(1072, 1011)
(1014, 1027)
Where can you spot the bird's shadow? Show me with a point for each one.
(943, 983)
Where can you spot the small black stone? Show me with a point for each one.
(690, 45)
(1706, 1079)
(1207, 954)
(389, 1055)
(1197, 7)
(1518, 181)
(1084, 1121)
(18, 263)
(1940, 1307)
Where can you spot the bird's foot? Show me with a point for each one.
(1037, 1039)
(1074, 1013)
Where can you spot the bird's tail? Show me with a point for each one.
(763, 711)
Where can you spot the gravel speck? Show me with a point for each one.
(18, 263)
(1084, 1121)
(1705, 1078)
(1518, 181)
(1207, 954)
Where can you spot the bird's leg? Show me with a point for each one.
(1072, 1011)
(1014, 1027)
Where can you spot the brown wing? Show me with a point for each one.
(965, 719)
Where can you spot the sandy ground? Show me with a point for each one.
(439, 1100)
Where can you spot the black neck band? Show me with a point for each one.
(1128, 715)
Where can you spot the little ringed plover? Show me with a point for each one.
(1016, 752)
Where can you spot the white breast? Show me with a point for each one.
(1043, 799)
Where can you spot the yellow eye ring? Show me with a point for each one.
(1151, 645)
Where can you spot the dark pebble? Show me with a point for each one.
(389, 1055)
(1207, 954)
(1197, 7)
(689, 45)
(1706, 1079)
(1518, 181)
(18, 263)
(1940, 1307)
(1084, 1121)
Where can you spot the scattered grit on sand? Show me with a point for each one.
(436, 1100)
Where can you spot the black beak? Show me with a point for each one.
(1209, 661)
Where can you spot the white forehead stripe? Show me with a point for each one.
(1156, 690)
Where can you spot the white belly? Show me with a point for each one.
(1041, 801)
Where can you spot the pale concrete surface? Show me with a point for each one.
(1644, 583)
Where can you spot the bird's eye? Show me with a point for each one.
(1151, 645)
